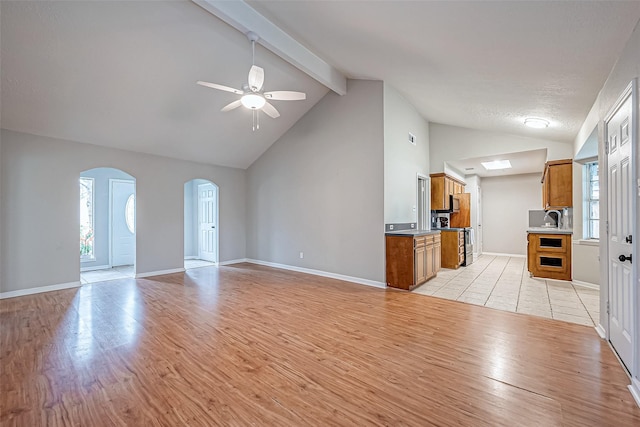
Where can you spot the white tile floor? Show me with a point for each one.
(503, 283)
(126, 271)
(197, 263)
(114, 273)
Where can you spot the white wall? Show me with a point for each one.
(50, 219)
(101, 212)
(319, 189)
(455, 143)
(473, 182)
(506, 201)
(402, 160)
(627, 68)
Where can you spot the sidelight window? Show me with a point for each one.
(592, 202)
(87, 224)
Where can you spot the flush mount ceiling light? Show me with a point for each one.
(536, 123)
(496, 164)
(253, 101)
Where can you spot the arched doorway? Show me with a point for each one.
(200, 223)
(107, 225)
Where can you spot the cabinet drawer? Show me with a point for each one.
(556, 243)
(461, 258)
(552, 263)
(419, 241)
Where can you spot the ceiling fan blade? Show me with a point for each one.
(285, 95)
(270, 111)
(220, 87)
(231, 106)
(256, 78)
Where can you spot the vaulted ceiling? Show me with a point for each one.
(122, 74)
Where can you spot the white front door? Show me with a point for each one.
(208, 222)
(620, 216)
(123, 238)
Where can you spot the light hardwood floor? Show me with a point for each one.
(250, 345)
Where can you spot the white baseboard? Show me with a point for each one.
(601, 332)
(191, 257)
(30, 291)
(634, 388)
(501, 254)
(352, 279)
(585, 284)
(159, 273)
(94, 268)
(233, 261)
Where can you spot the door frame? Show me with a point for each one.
(217, 233)
(427, 201)
(603, 326)
(135, 220)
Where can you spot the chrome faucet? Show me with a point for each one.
(558, 216)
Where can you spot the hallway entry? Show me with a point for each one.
(200, 223)
(107, 225)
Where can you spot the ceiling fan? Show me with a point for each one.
(252, 94)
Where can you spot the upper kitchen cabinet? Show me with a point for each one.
(557, 184)
(443, 186)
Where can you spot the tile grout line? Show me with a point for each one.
(583, 305)
(475, 278)
(496, 284)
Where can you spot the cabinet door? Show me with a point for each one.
(560, 186)
(438, 193)
(430, 267)
(420, 263)
(437, 256)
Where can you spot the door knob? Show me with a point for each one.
(628, 239)
(623, 258)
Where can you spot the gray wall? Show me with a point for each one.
(455, 143)
(402, 160)
(190, 219)
(319, 189)
(101, 213)
(506, 201)
(31, 163)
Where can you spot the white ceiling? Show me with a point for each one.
(531, 161)
(122, 74)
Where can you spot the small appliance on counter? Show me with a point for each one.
(443, 222)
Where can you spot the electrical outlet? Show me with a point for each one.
(391, 227)
(301, 255)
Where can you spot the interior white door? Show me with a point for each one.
(123, 238)
(478, 242)
(620, 216)
(208, 222)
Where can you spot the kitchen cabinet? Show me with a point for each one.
(443, 186)
(412, 260)
(557, 184)
(462, 218)
(549, 255)
(452, 245)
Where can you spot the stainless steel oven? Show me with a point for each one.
(468, 246)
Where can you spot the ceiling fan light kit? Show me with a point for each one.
(253, 96)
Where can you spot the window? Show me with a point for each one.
(129, 213)
(86, 219)
(591, 201)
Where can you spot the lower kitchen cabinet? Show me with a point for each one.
(412, 260)
(452, 248)
(549, 255)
